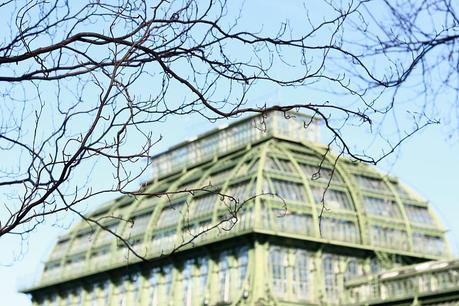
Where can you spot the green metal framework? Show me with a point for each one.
(274, 196)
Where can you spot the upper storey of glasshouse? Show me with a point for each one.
(261, 175)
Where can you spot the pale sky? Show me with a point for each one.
(428, 163)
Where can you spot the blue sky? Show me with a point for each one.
(428, 162)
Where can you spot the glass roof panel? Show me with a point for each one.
(418, 214)
(431, 244)
(289, 191)
(384, 236)
(293, 222)
(202, 205)
(371, 183)
(170, 215)
(338, 229)
(104, 236)
(381, 207)
(314, 172)
(333, 198)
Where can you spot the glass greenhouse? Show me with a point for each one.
(250, 218)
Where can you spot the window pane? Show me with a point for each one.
(105, 234)
(203, 205)
(224, 277)
(279, 266)
(170, 215)
(288, 190)
(293, 222)
(139, 224)
(430, 244)
(333, 199)
(371, 183)
(389, 237)
(338, 229)
(81, 242)
(417, 214)
(301, 275)
(243, 260)
(153, 287)
(164, 241)
(381, 207)
(280, 165)
(187, 283)
(313, 172)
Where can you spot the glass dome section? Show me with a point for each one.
(265, 183)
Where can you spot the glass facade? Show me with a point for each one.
(276, 219)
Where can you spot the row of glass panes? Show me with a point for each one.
(293, 222)
(187, 284)
(285, 190)
(199, 206)
(294, 274)
(221, 142)
(291, 273)
(170, 214)
(389, 208)
(339, 229)
(218, 177)
(371, 183)
(381, 207)
(332, 198)
(312, 172)
(246, 168)
(279, 165)
(389, 237)
(61, 248)
(203, 205)
(233, 222)
(321, 174)
(236, 194)
(430, 244)
(195, 232)
(224, 141)
(82, 241)
(215, 178)
(419, 214)
(296, 127)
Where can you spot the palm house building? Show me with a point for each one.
(246, 221)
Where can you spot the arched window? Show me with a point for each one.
(224, 277)
(187, 283)
(107, 290)
(300, 275)
(153, 283)
(121, 291)
(330, 277)
(92, 296)
(79, 296)
(137, 288)
(352, 269)
(243, 260)
(168, 279)
(279, 266)
(203, 275)
(374, 265)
